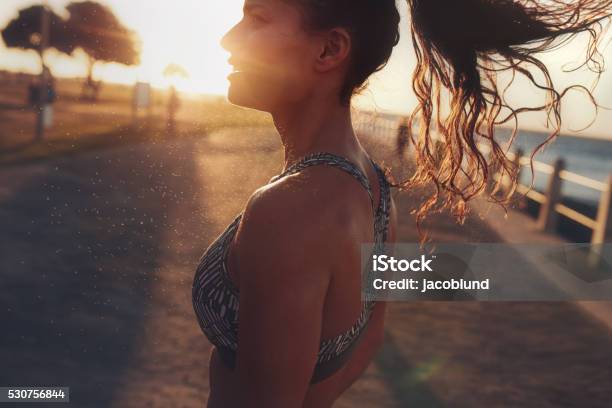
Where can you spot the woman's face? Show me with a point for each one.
(272, 55)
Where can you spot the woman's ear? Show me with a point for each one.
(335, 50)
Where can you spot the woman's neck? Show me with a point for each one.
(315, 126)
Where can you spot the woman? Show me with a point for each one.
(284, 277)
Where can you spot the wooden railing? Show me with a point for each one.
(550, 200)
(551, 206)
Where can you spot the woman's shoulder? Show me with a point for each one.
(315, 201)
(286, 226)
(296, 222)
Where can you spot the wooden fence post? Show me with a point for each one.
(548, 217)
(603, 226)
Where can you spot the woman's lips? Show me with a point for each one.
(238, 66)
(238, 70)
(235, 73)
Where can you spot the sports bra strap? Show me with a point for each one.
(384, 207)
(381, 213)
(329, 159)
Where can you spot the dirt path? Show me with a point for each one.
(97, 255)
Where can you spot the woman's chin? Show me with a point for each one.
(238, 99)
(239, 94)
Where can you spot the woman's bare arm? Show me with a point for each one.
(281, 248)
(375, 331)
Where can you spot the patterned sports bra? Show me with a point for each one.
(215, 297)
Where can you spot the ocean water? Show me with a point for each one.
(587, 157)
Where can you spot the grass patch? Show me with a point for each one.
(83, 126)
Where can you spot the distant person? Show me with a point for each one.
(174, 103)
(278, 293)
(48, 85)
(403, 137)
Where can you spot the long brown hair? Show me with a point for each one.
(461, 46)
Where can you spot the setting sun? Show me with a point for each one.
(183, 32)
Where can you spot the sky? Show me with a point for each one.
(187, 32)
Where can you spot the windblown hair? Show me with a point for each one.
(461, 47)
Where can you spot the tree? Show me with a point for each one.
(103, 38)
(25, 32)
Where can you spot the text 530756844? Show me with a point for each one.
(34, 394)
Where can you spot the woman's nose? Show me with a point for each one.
(228, 42)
